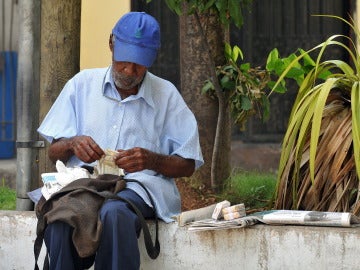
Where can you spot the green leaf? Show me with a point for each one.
(343, 66)
(307, 60)
(226, 83)
(324, 74)
(315, 128)
(279, 67)
(235, 53)
(245, 103)
(236, 12)
(280, 87)
(228, 51)
(174, 5)
(209, 4)
(222, 6)
(207, 87)
(245, 67)
(291, 59)
(294, 73)
(355, 108)
(272, 58)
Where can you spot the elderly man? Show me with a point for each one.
(128, 109)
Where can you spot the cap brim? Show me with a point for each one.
(127, 52)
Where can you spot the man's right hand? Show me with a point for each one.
(86, 149)
(83, 147)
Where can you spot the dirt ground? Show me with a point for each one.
(251, 157)
(192, 198)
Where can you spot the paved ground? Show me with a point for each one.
(258, 157)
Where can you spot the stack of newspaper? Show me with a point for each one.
(200, 219)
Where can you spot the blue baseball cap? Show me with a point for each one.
(137, 38)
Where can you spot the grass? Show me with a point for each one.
(7, 197)
(254, 189)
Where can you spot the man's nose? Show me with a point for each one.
(130, 68)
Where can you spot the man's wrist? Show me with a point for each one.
(67, 144)
(155, 162)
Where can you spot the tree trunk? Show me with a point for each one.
(194, 70)
(60, 56)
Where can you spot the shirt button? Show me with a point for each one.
(114, 126)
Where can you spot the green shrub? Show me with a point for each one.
(7, 197)
(254, 189)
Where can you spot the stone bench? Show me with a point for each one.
(257, 247)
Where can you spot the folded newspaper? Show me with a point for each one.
(280, 217)
(106, 164)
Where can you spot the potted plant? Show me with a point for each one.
(320, 160)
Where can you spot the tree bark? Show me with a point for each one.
(60, 56)
(194, 70)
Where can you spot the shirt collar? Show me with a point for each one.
(109, 89)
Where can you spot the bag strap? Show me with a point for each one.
(40, 231)
(152, 250)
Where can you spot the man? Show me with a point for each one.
(143, 117)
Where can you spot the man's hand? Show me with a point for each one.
(135, 159)
(83, 147)
(138, 159)
(86, 149)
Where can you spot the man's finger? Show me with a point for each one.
(98, 152)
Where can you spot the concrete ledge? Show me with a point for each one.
(258, 247)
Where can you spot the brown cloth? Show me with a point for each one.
(78, 204)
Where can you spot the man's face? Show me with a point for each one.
(127, 75)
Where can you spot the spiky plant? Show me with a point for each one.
(320, 160)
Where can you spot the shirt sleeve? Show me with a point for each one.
(60, 121)
(182, 136)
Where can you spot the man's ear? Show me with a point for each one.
(111, 45)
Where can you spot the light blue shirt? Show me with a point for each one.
(156, 118)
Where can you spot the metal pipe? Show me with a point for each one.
(3, 26)
(2, 69)
(27, 95)
(12, 64)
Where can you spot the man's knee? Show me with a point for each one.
(116, 209)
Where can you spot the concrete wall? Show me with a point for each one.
(257, 247)
(97, 20)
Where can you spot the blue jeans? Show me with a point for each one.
(118, 247)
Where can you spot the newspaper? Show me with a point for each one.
(106, 164)
(194, 215)
(213, 211)
(212, 224)
(312, 218)
(280, 217)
